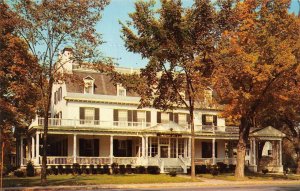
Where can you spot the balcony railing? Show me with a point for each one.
(57, 122)
(79, 123)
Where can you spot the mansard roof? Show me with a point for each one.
(103, 83)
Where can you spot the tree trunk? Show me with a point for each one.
(244, 129)
(45, 135)
(193, 173)
(297, 150)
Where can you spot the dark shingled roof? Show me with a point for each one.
(103, 83)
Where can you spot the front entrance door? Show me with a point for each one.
(164, 150)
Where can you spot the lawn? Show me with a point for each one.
(252, 176)
(60, 180)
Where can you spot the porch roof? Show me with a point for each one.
(267, 132)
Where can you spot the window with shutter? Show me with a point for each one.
(148, 116)
(97, 116)
(158, 117)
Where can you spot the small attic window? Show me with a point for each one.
(121, 91)
(88, 85)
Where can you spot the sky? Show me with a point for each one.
(110, 29)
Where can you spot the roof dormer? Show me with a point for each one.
(121, 91)
(89, 85)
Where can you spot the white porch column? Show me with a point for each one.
(190, 147)
(146, 147)
(143, 146)
(280, 153)
(21, 150)
(111, 148)
(37, 148)
(74, 148)
(214, 150)
(32, 148)
(185, 147)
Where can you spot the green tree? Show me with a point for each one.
(253, 60)
(178, 43)
(50, 25)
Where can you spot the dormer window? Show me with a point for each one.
(121, 91)
(88, 85)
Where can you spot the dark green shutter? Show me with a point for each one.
(176, 117)
(116, 115)
(134, 115)
(97, 116)
(81, 115)
(129, 115)
(158, 117)
(148, 116)
(203, 119)
(170, 116)
(215, 118)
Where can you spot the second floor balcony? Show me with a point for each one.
(125, 125)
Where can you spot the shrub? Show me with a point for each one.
(60, 169)
(173, 173)
(30, 169)
(265, 171)
(122, 169)
(9, 168)
(214, 170)
(106, 169)
(68, 169)
(231, 168)
(115, 168)
(19, 173)
(200, 169)
(76, 168)
(129, 169)
(54, 170)
(153, 170)
(222, 167)
(140, 170)
(99, 170)
(85, 170)
(92, 169)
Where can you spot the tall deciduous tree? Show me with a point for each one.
(253, 62)
(178, 43)
(18, 78)
(50, 25)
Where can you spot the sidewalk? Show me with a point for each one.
(205, 183)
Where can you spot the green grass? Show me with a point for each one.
(60, 180)
(252, 177)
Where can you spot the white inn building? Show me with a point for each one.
(95, 122)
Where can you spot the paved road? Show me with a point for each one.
(227, 188)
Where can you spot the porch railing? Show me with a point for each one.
(93, 160)
(60, 160)
(226, 160)
(125, 160)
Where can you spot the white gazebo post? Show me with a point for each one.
(21, 150)
(254, 152)
(177, 147)
(213, 151)
(32, 148)
(251, 152)
(37, 147)
(74, 148)
(111, 148)
(280, 153)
